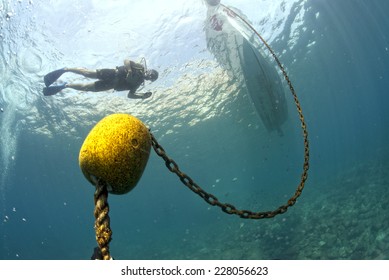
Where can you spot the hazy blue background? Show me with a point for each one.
(337, 56)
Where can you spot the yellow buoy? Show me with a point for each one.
(116, 151)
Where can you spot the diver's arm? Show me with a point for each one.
(127, 64)
(131, 94)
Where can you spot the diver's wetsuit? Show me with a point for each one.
(118, 80)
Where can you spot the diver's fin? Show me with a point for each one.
(53, 76)
(47, 91)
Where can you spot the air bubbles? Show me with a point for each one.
(311, 44)
(17, 92)
(8, 15)
(30, 61)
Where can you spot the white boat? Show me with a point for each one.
(238, 49)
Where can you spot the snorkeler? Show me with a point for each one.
(129, 76)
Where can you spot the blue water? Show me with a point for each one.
(337, 56)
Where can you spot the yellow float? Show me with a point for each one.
(116, 151)
(113, 158)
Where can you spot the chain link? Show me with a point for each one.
(212, 200)
(229, 208)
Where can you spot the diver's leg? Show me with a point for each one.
(95, 87)
(83, 71)
(82, 87)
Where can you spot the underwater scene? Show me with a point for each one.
(275, 113)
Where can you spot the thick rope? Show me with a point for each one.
(102, 222)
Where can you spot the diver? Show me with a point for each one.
(129, 76)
